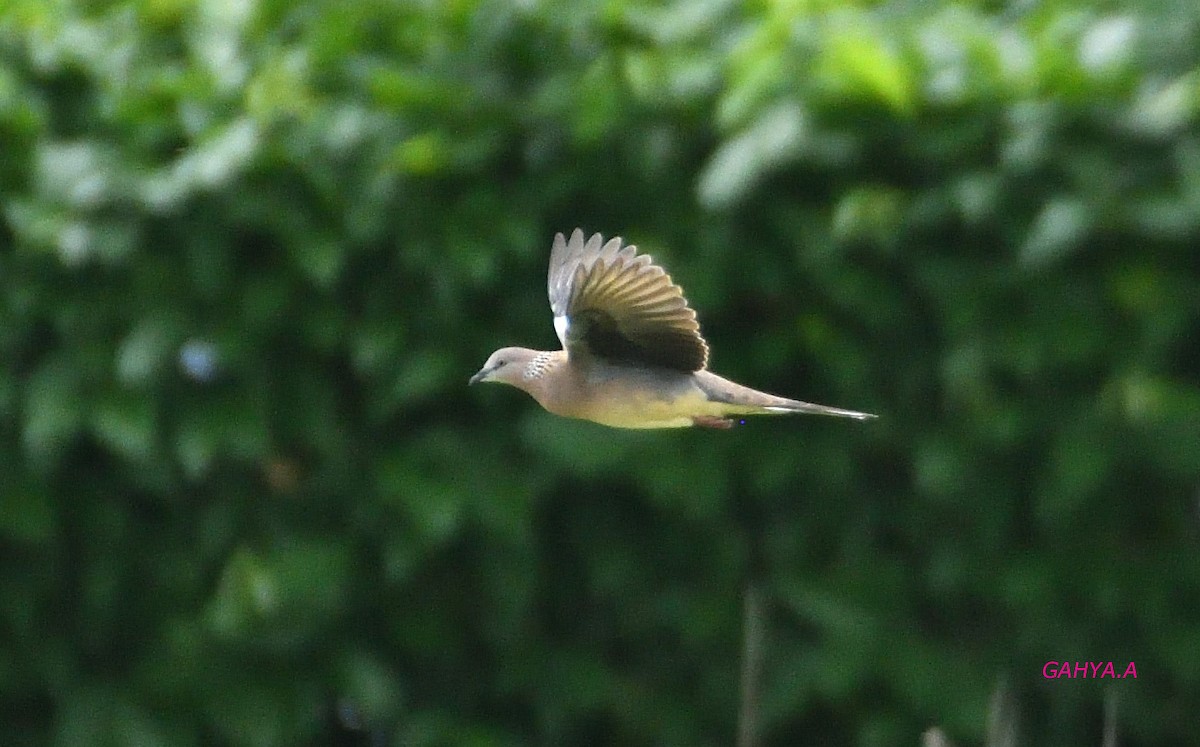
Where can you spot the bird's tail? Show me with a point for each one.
(809, 408)
(742, 400)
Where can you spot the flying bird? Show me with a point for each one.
(632, 352)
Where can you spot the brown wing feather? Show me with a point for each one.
(614, 303)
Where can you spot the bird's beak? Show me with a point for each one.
(481, 376)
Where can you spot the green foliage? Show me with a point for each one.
(251, 251)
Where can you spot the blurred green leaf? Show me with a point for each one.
(859, 61)
(1061, 228)
(53, 410)
(773, 141)
(126, 424)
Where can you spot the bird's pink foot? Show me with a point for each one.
(711, 421)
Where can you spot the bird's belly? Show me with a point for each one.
(646, 411)
(644, 422)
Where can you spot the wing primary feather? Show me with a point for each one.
(611, 301)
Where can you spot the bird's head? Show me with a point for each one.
(506, 366)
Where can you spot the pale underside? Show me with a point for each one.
(624, 396)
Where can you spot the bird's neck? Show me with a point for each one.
(542, 364)
(548, 379)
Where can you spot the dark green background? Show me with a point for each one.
(251, 250)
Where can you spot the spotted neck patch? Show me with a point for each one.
(539, 365)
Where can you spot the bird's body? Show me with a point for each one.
(632, 352)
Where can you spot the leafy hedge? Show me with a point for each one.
(252, 251)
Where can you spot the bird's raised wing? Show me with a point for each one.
(613, 303)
